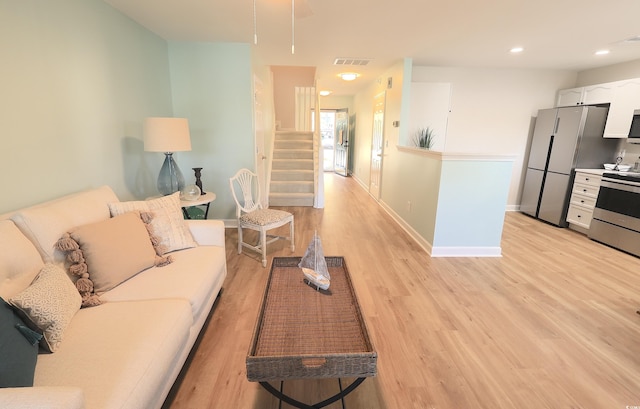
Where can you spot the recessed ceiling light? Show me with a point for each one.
(349, 76)
(602, 52)
(516, 50)
(325, 93)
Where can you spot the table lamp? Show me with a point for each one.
(167, 135)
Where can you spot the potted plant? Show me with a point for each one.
(424, 138)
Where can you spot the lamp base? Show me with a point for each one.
(170, 179)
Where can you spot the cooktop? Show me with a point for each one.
(632, 176)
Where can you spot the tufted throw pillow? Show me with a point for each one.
(263, 217)
(109, 252)
(168, 222)
(48, 305)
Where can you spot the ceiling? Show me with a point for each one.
(555, 34)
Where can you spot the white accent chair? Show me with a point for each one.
(251, 215)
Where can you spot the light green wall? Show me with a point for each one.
(413, 192)
(212, 86)
(76, 80)
(471, 203)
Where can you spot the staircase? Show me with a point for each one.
(292, 169)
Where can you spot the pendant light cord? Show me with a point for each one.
(293, 27)
(255, 24)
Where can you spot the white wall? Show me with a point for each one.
(77, 78)
(492, 110)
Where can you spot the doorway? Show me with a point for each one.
(377, 145)
(327, 131)
(334, 131)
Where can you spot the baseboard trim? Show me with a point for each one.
(426, 246)
(466, 252)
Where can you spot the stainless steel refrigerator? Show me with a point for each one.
(563, 139)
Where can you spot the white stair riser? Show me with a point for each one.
(292, 154)
(282, 200)
(293, 145)
(288, 136)
(302, 164)
(292, 187)
(291, 175)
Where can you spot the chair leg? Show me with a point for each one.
(293, 242)
(263, 246)
(239, 239)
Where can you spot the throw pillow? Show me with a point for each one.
(48, 305)
(113, 251)
(168, 222)
(20, 261)
(18, 349)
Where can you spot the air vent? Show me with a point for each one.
(352, 61)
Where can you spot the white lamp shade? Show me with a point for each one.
(166, 135)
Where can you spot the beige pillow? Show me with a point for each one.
(49, 303)
(20, 261)
(168, 222)
(115, 249)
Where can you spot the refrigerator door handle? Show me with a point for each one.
(555, 130)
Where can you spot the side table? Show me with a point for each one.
(203, 200)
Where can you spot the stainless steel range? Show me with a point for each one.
(616, 217)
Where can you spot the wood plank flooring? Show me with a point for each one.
(551, 324)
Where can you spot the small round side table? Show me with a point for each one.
(203, 200)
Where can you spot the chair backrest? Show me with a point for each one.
(246, 191)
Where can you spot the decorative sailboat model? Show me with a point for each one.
(314, 266)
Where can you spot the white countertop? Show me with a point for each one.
(595, 171)
(601, 171)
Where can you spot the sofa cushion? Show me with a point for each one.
(115, 249)
(49, 304)
(18, 349)
(20, 261)
(49, 397)
(120, 354)
(44, 224)
(168, 223)
(194, 274)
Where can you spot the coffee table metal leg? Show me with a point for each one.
(338, 396)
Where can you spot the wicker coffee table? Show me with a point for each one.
(302, 333)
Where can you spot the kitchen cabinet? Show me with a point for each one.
(626, 99)
(589, 95)
(623, 98)
(583, 199)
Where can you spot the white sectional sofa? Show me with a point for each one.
(128, 351)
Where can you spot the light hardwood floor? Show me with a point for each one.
(551, 324)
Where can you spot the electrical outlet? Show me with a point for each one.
(409, 206)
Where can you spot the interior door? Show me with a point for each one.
(377, 146)
(341, 143)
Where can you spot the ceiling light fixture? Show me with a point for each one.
(325, 93)
(349, 76)
(602, 52)
(516, 50)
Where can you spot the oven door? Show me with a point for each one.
(620, 196)
(616, 217)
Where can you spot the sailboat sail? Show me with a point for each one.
(314, 265)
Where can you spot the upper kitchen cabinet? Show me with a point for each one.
(623, 98)
(626, 99)
(589, 95)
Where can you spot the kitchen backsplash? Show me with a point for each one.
(632, 152)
